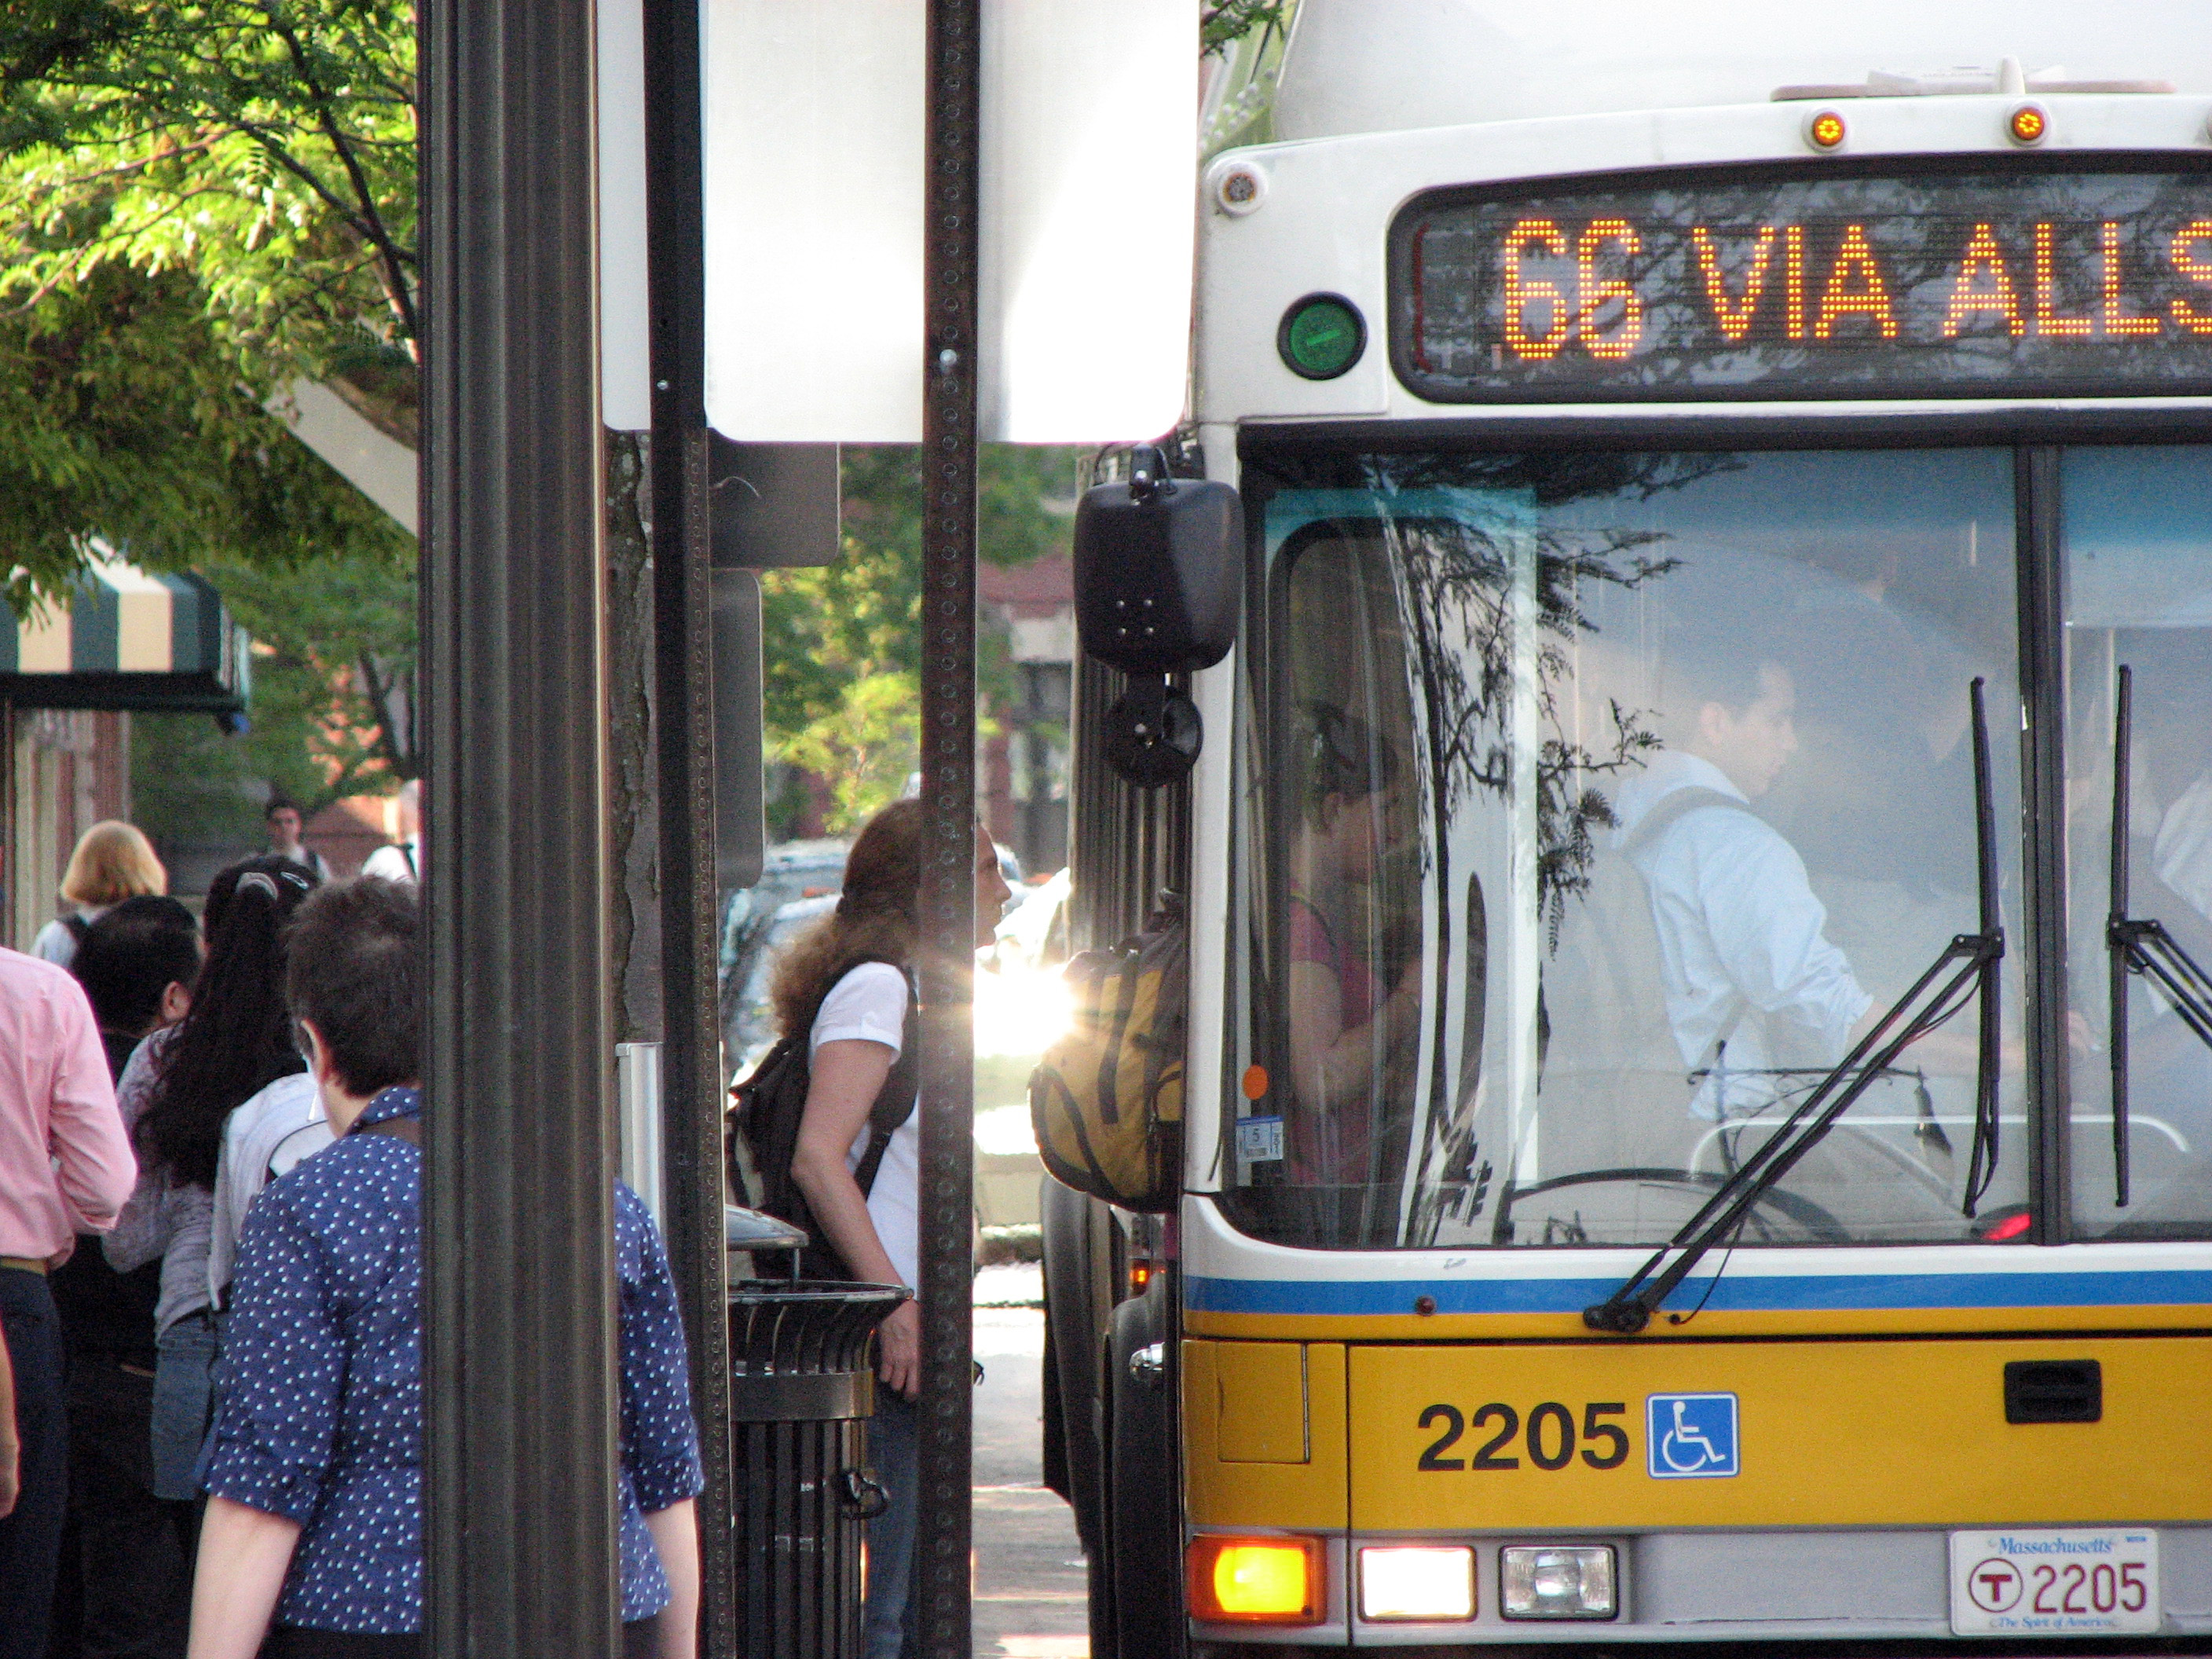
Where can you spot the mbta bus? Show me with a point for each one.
(1700, 1112)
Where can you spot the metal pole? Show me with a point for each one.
(949, 264)
(684, 679)
(520, 1139)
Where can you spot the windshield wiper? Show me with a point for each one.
(2144, 946)
(1967, 966)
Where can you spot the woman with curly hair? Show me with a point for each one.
(846, 982)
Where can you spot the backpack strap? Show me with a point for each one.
(75, 925)
(895, 1100)
(1676, 805)
(409, 1129)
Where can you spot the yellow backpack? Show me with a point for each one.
(1107, 1098)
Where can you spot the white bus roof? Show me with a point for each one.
(1354, 66)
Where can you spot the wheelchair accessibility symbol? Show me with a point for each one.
(1690, 1437)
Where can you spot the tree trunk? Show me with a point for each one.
(632, 797)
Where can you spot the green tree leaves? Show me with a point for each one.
(841, 643)
(200, 204)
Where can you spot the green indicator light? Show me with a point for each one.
(1321, 336)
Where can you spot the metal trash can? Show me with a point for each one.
(800, 1395)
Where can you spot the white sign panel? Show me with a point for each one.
(1090, 176)
(814, 216)
(625, 369)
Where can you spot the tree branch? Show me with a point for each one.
(396, 284)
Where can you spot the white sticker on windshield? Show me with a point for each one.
(1259, 1139)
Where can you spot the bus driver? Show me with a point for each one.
(1754, 988)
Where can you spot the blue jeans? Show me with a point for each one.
(184, 1405)
(894, 1451)
(31, 1537)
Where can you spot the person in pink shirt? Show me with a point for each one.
(1351, 1013)
(65, 1168)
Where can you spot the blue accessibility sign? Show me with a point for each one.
(1690, 1437)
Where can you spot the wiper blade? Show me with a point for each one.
(1982, 1162)
(1968, 963)
(2141, 946)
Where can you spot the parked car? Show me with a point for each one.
(749, 1030)
(792, 869)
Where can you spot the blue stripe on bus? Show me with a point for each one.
(1742, 1293)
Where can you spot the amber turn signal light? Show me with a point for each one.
(1256, 1580)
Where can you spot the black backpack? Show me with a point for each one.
(766, 1110)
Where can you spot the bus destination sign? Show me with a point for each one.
(2043, 283)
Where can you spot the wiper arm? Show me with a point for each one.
(2139, 946)
(1970, 960)
(1982, 1162)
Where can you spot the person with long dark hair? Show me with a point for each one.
(176, 1093)
(846, 982)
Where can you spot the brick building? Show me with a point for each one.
(1023, 778)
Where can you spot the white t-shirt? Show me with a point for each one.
(1742, 939)
(401, 862)
(266, 1136)
(57, 941)
(869, 1004)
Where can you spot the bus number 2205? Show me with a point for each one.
(1549, 1438)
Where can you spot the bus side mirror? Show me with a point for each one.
(1158, 581)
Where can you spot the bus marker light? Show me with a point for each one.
(1557, 1581)
(2029, 124)
(1320, 337)
(1239, 189)
(1825, 130)
(1426, 1582)
(1255, 1581)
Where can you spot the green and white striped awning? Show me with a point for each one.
(127, 639)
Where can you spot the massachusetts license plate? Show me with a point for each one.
(2082, 1581)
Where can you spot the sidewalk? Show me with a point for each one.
(1031, 1594)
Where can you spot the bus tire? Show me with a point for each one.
(1075, 1322)
(1144, 1507)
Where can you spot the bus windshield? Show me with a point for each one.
(1595, 804)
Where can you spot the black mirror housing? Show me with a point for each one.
(1159, 570)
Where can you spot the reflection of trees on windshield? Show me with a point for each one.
(1675, 737)
(1491, 605)
(1459, 579)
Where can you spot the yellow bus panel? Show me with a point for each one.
(1286, 1400)
(1827, 1434)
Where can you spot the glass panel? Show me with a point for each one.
(1598, 801)
(2138, 529)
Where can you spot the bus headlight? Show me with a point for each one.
(1417, 1581)
(1255, 1581)
(1557, 1581)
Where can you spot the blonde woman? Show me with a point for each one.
(114, 861)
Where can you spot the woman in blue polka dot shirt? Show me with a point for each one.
(315, 1482)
